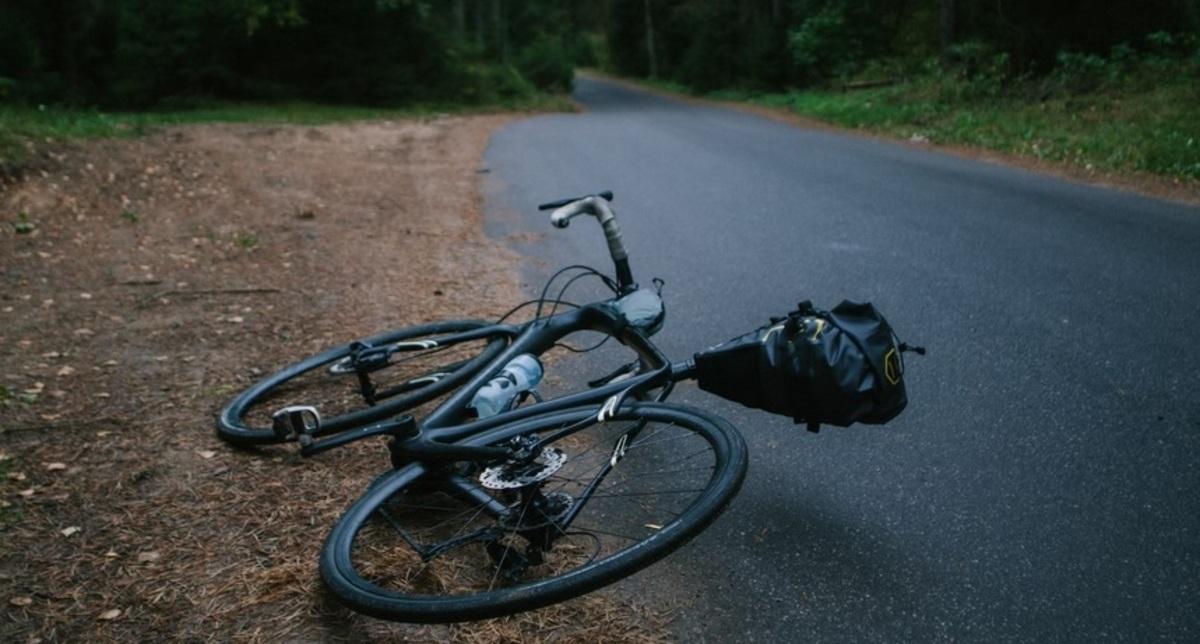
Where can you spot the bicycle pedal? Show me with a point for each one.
(295, 422)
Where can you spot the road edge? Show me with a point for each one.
(1144, 185)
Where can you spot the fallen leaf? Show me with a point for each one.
(55, 467)
(21, 601)
(147, 557)
(66, 532)
(206, 453)
(234, 319)
(65, 370)
(103, 394)
(25, 493)
(110, 614)
(49, 417)
(16, 476)
(83, 331)
(109, 363)
(102, 434)
(111, 554)
(51, 354)
(85, 296)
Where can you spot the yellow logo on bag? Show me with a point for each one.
(891, 367)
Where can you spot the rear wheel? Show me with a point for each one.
(396, 379)
(593, 502)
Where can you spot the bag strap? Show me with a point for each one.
(906, 347)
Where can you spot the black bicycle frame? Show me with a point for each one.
(441, 435)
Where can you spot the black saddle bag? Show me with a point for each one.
(838, 367)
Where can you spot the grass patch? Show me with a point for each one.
(21, 125)
(1154, 130)
(1124, 113)
(245, 240)
(23, 225)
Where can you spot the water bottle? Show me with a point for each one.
(522, 373)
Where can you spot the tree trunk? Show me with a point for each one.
(479, 25)
(500, 24)
(651, 57)
(460, 20)
(947, 26)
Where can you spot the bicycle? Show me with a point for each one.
(484, 517)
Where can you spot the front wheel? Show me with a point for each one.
(396, 381)
(598, 501)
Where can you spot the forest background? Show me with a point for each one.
(1113, 85)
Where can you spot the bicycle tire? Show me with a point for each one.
(233, 426)
(360, 583)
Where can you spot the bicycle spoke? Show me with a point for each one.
(500, 564)
(606, 532)
(604, 498)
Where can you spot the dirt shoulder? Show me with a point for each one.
(1136, 182)
(150, 280)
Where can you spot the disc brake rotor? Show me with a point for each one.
(507, 476)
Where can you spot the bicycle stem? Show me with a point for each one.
(598, 207)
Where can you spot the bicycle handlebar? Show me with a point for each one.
(607, 194)
(597, 206)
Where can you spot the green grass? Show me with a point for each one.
(1154, 130)
(20, 124)
(1147, 125)
(246, 240)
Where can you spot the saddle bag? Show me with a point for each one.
(836, 367)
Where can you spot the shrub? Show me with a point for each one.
(979, 71)
(824, 45)
(481, 83)
(1079, 73)
(546, 63)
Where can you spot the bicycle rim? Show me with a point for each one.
(625, 493)
(408, 378)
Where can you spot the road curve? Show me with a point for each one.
(1044, 483)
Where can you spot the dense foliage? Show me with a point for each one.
(1109, 85)
(138, 53)
(710, 44)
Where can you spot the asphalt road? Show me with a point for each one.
(1043, 484)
